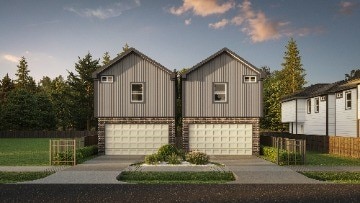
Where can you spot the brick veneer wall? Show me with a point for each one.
(254, 121)
(103, 121)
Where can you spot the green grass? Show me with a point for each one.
(315, 158)
(15, 177)
(167, 177)
(336, 177)
(24, 151)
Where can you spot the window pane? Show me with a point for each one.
(219, 97)
(348, 104)
(137, 97)
(137, 87)
(348, 96)
(247, 79)
(103, 78)
(219, 87)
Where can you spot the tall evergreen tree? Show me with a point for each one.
(24, 80)
(293, 73)
(353, 74)
(6, 85)
(124, 49)
(106, 58)
(82, 92)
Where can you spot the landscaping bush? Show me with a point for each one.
(166, 151)
(64, 156)
(81, 154)
(174, 159)
(86, 152)
(152, 159)
(198, 158)
(284, 157)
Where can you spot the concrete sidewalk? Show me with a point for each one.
(32, 168)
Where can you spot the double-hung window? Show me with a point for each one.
(220, 92)
(348, 100)
(308, 102)
(137, 92)
(316, 106)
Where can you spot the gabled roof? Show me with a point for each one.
(323, 89)
(224, 50)
(123, 55)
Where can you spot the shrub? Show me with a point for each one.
(198, 158)
(152, 159)
(86, 152)
(271, 154)
(62, 157)
(165, 151)
(174, 159)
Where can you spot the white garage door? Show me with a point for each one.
(221, 139)
(135, 139)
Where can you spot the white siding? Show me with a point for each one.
(346, 119)
(301, 108)
(315, 123)
(298, 130)
(288, 111)
(331, 114)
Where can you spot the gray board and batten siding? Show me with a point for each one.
(114, 99)
(244, 99)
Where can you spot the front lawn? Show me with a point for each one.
(316, 158)
(15, 177)
(24, 151)
(336, 177)
(209, 177)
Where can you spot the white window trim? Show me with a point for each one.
(250, 79)
(220, 92)
(316, 105)
(132, 92)
(107, 79)
(347, 100)
(339, 95)
(323, 98)
(308, 106)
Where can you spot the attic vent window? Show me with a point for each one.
(339, 95)
(107, 79)
(220, 93)
(250, 79)
(137, 92)
(323, 98)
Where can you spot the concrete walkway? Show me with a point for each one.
(247, 169)
(32, 168)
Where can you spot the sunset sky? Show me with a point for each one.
(51, 34)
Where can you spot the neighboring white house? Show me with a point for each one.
(324, 109)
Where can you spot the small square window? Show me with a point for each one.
(137, 92)
(348, 100)
(250, 79)
(323, 98)
(339, 95)
(107, 79)
(220, 92)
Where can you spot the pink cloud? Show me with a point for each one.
(11, 58)
(203, 7)
(222, 23)
(188, 21)
(347, 7)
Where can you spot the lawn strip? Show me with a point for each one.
(176, 177)
(337, 177)
(315, 158)
(15, 177)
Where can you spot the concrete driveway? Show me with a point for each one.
(248, 170)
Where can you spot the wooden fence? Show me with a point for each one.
(343, 146)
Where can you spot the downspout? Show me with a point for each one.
(357, 112)
(327, 115)
(296, 116)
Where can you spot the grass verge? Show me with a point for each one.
(24, 151)
(336, 177)
(315, 158)
(167, 177)
(15, 177)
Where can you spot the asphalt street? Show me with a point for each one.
(180, 193)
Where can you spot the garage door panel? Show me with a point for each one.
(221, 139)
(135, 139)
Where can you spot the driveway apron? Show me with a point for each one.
(254, 170)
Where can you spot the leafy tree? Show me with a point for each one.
(82, 92)
(293, 73)
(106, 58)
(353, 74)
(24, 80)
(6, 85)
(124, 49)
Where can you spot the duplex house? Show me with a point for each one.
(134, 104)
(222, 105)
(323, 109)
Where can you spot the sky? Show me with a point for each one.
(53, 34)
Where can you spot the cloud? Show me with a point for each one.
(203, 7)
(110, 11)
(11, 58)
(188, 21)
(237, 20)
(347, 7)
(222, 23)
